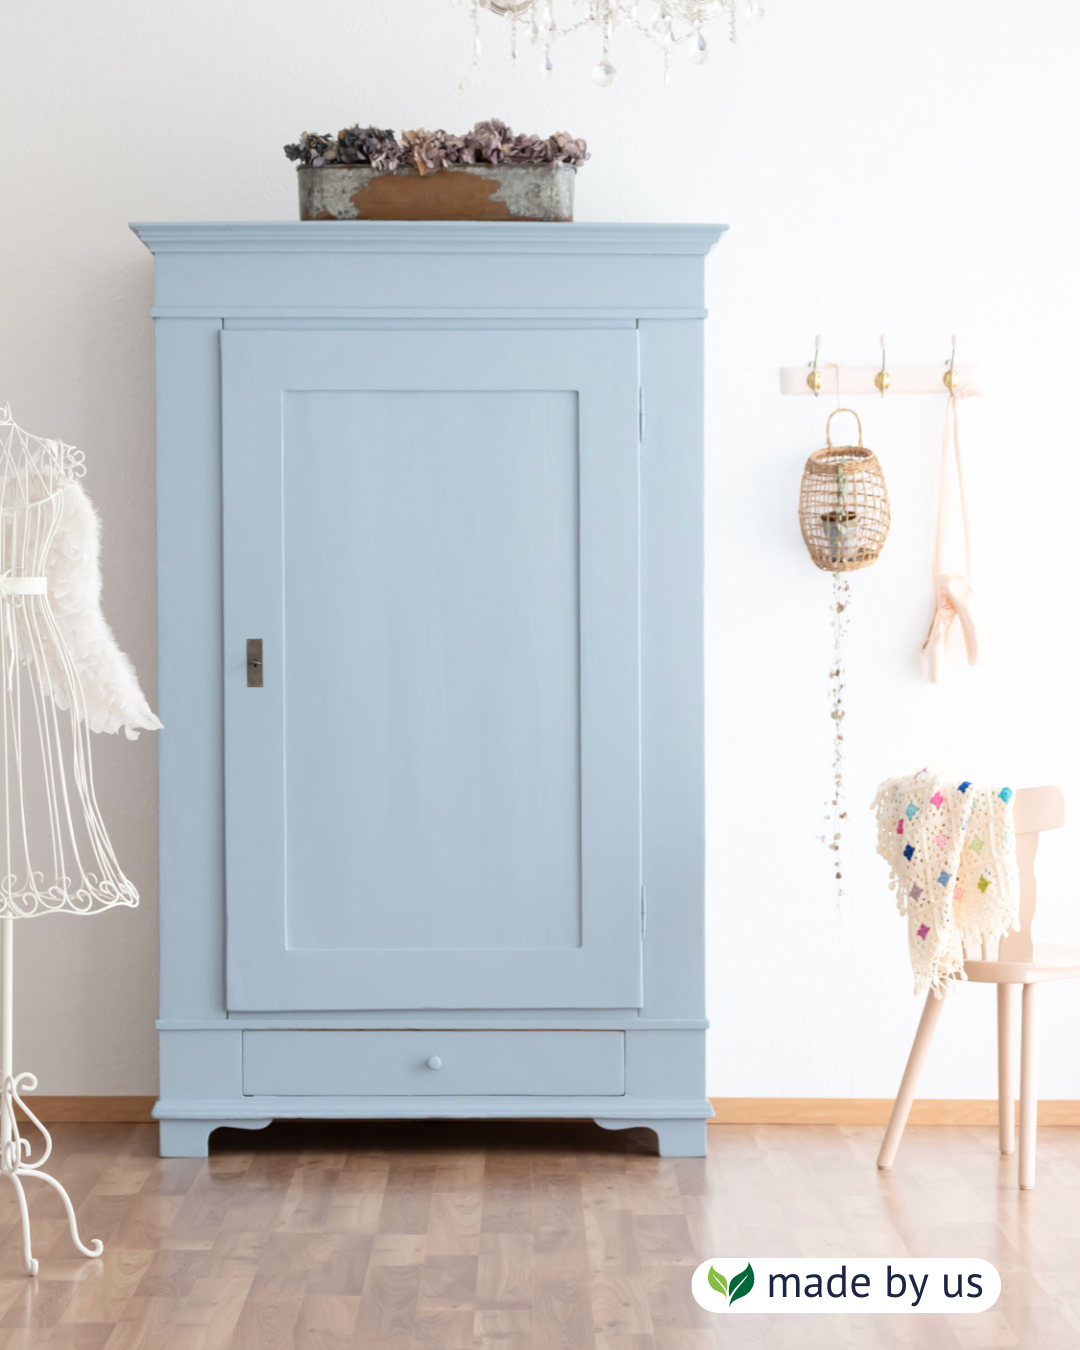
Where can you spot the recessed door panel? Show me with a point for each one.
(432, 799)
(432, 736)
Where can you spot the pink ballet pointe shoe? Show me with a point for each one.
(953, 596)
(960, 595)
(933, 649)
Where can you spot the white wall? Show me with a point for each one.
(906, 167)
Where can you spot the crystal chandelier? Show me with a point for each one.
(666, 24)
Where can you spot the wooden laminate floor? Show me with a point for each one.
(489, 1236)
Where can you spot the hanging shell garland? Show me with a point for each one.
(844, 515)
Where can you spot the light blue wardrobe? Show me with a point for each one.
(430, 613)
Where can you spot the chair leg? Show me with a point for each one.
(920, 1048)
(1029, 1086)
(1006, 1041)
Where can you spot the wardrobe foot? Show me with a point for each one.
(191, 1138)
(676, 1138)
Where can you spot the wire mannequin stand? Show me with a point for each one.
(15, 1151)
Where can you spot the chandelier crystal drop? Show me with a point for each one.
(664, 24)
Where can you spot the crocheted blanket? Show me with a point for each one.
(951, 851)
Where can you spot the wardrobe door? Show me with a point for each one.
(432, 778)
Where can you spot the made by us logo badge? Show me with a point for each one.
(779, 1284)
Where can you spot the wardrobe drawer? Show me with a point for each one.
(433, 1063)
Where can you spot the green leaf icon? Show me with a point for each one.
(741, 1284)
(717, 1281)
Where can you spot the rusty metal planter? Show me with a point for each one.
(463, 192)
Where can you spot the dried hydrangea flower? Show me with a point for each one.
(370, 145)
(489, 142)
(562, 148)
(426, 149)
(312, 148)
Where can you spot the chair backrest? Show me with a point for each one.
(1034, 810)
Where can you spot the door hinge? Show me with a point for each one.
(641, 414)
(644, 912)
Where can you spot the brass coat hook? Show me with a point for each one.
(882, 379)
(951, 379)
(815, 379)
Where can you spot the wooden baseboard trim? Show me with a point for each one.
(91, 1110)
(873, 1111)
(729, 1111)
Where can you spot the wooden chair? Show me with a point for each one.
(1017, 959)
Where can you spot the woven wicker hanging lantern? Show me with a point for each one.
(843, 504)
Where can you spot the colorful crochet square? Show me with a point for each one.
(1006, 794)
(936, 799)
(944, 878)
(915, 892)
(958, 894)
(941, 840)
(899, 827)
(984, 884)
(963, 786)
(909, 852)
(922, 930)
(910, 812)
(976, 845)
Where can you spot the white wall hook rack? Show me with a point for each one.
(819, 377)
(860, 379)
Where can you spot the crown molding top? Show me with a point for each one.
(409, 236)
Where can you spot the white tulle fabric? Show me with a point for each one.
(951, 850)
(111, 695)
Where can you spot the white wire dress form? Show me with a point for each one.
(61, 677)
(54, 778)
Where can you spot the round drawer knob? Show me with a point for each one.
(434, 1062)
